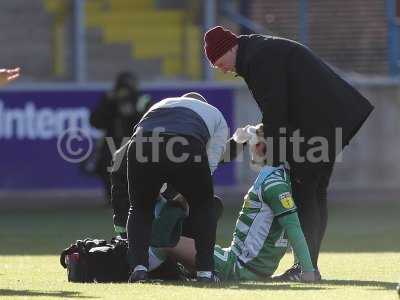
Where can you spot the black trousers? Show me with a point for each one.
(191, 177)
(310, 195)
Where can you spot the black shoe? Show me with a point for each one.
(213, 279)
(139, 276)
(292, 274)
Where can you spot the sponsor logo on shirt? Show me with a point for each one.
(286, 200)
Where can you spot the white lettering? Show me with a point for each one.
(43, 123)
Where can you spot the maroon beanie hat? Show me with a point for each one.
(218, 41)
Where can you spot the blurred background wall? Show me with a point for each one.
(79, 45)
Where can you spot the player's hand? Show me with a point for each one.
(8, 75)
(260, 149)
(308, 276)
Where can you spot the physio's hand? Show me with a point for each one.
(308, 276)
(242, 135)
(8, 75)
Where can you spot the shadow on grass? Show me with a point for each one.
(251, 285)
(383, 285)
(30, 293)
(276, 285)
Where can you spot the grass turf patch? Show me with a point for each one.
(360, 259)
(347, 276)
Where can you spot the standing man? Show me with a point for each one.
(309, 114)
(115, 114)
(179, 141)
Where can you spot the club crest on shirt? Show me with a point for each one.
(286, 200)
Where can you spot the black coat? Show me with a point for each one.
(296, 90)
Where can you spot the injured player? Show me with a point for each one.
(266, 225)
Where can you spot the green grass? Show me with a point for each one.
(360, 258)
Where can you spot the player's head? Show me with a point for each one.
(220, 46)
(257, 147)
(194, 95)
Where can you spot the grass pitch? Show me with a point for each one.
(360, 258)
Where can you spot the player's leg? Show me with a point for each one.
(225, 261)
(184, 252)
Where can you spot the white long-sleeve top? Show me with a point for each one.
(192, 117)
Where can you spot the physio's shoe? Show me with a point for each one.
(139, 276)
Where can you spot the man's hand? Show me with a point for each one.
(242, 135)
(8, 75)
(260, 147)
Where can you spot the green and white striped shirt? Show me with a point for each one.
(259, 241)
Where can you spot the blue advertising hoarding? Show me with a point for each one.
(32, 128)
